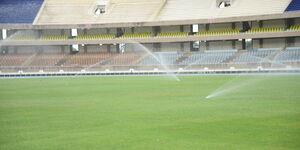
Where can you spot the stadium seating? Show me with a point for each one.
(208, 57)
(21, 38)
(172, 34)
(86, 59)
(13, 59)
(19, 11)
(167, 58)
(125, 59)
(268, 29)
(46, 60)
(54, 37)
(217, 32)
(95, 37)
(254, 56)
(291, 54)
(294, 28)
(136, 35)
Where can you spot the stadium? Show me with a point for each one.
(150, 74)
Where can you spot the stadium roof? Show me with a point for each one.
(19, 11)
(294, 6)
(122, 13)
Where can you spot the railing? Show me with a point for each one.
(150, 68)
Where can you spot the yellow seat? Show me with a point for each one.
(266, 29)
(173, 34)
(54, 37)
(22, 38)
(136, 35)
(95, 36)
(217, 32)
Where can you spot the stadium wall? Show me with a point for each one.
(220, 45)
(297, 41)
(11, 49)
(186, 46)
(46, 49)
(55, 49)
(97, 31)
(112, 31)
(220, 26)
(56, 32)
(135, 48)
(51, 32)
(97, 48)
(148, 46)
(238, 45)
(22, 50)
(165, 47)
(170, 29)
(271, 43)
(138, 30)
(129, 30)
(92, 31)
(186, 28)
(273, 23)
(256, 44)
(130, 48)
(10, 32)
(238, 25)
(143, 29)
(297, 21)
(254, 24)
(201, 27)
(27, 49)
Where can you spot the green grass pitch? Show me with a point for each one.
(150, 113)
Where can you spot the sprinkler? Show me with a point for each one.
(207, 97)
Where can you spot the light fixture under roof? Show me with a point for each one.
(223, 3)
(100, 7)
